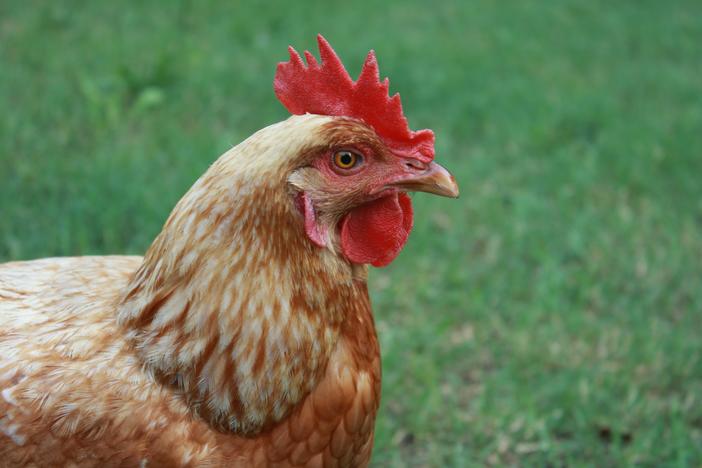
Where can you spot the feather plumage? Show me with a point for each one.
(233, 341)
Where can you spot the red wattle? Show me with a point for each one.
(376, 231)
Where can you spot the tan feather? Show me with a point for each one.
(234, 341)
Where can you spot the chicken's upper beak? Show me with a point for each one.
(430, 178)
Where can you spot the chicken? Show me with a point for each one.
(244, 336)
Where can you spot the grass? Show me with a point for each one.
(550, 317)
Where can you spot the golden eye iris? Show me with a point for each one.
(346, 159)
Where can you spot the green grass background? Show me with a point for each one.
(549, 317)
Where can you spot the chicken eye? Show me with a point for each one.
(345, 159)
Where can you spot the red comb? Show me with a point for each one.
(327, 89)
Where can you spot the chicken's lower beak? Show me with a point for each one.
(435, 179)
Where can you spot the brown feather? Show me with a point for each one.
(234, 341)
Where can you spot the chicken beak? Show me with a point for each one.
(434, 179)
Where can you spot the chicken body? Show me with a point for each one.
(235, 341)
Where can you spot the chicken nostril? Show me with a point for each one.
(416, 165)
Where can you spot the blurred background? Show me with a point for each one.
(552, 316)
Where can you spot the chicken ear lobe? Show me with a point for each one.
(317, 234)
